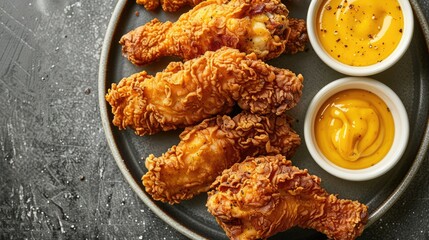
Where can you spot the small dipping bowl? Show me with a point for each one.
(396, 108)
(398, 52)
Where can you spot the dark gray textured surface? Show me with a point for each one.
(58, 179)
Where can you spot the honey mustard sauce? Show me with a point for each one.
(354, 129)
(360, 32)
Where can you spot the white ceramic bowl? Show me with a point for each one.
(400, 122)
(402, 47)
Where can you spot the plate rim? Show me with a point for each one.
(106, 123)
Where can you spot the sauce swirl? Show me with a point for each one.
(354, 129)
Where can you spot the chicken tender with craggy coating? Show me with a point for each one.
(184, 94)
(265, 195)
(298, 37)
(167, 5)
(212, 146)
(257, 26)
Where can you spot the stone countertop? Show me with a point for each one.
(58, 179)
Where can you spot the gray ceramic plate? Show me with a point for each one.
(409, 78)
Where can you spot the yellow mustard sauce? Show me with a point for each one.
(354, 129)
(360, 32)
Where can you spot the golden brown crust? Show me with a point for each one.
(167, 5)
(298, 37)
(265, 195)
(149, 4)
(186, 93)
(209, 26)
(211, 147)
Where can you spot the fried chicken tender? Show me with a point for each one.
(259, 26)
(149, 4)
(214, 145)
(262, 196)
(186, 93)
(167, 5)
(298, 36)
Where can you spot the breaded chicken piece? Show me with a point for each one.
(298, 37)
(212, 146)
(262, 196)
(257, 26)
(149, 4)
(186, 93)
(167, 5)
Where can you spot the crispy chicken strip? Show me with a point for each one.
(259, 26)
(298, 36)
(186, 93)
(212, 146)
(262, 196)
(150, 4)
(167, 5)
